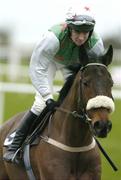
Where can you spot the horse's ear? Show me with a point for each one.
(83, 56)
(107, 59)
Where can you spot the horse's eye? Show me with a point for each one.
(86, 83)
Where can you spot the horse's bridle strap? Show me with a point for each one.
(73, 113)
(69, 148)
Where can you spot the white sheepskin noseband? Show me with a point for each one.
(101, 101)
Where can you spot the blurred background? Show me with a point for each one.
(21, 25)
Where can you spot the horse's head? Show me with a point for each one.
(95, 91)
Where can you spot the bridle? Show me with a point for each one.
(92, 64)
(82, 115)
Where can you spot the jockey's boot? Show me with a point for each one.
(21, 134)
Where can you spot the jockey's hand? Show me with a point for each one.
(51, 104)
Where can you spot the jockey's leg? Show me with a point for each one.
(20, 136)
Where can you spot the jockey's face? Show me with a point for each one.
(79, 38)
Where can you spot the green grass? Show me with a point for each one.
(112, 145)
(15, 103)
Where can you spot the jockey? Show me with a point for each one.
(57, 49)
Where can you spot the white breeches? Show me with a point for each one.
(39, 102)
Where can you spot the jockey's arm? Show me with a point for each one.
(42, 55)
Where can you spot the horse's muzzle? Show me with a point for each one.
(102, 128)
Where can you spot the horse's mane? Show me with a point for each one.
(69, 81)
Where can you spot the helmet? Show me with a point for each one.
(80, 19)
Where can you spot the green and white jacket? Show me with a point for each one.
(56, 46)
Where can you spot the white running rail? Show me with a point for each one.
(29, 89)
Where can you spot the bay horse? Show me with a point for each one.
(67, 149)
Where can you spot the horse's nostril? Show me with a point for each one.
(101, 127)
(97, 125)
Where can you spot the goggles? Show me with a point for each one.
(80, 20)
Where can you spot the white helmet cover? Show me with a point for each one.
(79, 16)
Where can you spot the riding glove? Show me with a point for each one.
(51, 104)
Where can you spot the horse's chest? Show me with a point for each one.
(70, 166)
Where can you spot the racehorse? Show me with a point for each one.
(67, 149)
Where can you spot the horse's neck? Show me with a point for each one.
(67, 128)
